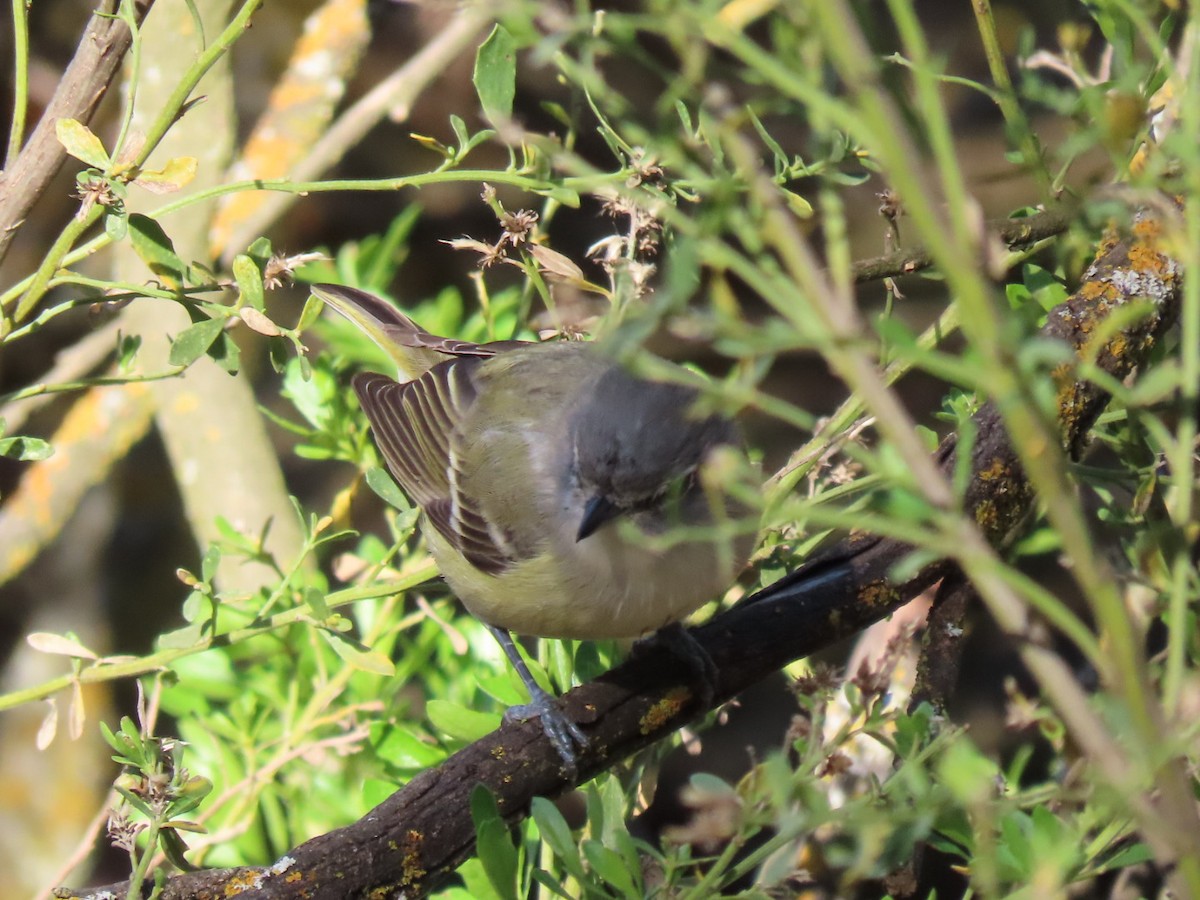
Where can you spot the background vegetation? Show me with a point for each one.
(208, 575)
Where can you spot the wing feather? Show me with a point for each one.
(416, 429)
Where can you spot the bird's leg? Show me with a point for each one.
(564, 734)
(679, 641)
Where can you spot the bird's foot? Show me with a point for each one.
(563, 733)
(684, 647)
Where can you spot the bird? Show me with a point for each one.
(561, 495)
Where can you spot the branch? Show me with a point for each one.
(1019, 232)
(410, 843)
(83, 85)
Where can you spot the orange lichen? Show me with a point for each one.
(995, 469)
(878, 592)
(1144, 258)
(411, 864)
(986, 515)
(658, 715)
(1097, 290)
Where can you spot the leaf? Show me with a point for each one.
(61, 645)
(560, 194)
(210, 563)
(151, 243)
(555, 264)
(557, 834)
(399, 747)
(376, 790)
(81, 143)
(76, 712)
(249, 281)
(49, 727)
(194, 341)
(460, 722)
(493, 844)
(256, 321)
(385, 488)
(315, 601)
(116, 223)
(226, 353)
(177, 173)
(495, 76)
(25, 449)
(359, 656)
(608, 865)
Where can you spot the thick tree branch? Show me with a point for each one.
(409, 844)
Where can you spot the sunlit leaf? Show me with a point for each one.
(79, 141)
(495, 75)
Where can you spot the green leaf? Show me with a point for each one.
(609, 866)
(399, 747)
(358, 655)
(260, 250)
(315, 601)
(81, 143)
(476, 885)
(226, 353)
(151, 243)
(194, 341)
(249, 281)
(495, 75)
(210, 563)
(559, 194)
(25, 449)
(557, 835)
(376, 790)
(493, 844)
(382, 484)
(460, 722)
(116, 223)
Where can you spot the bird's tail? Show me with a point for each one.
(414, 350)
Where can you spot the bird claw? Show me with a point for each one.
(563, 733)
(684, 647)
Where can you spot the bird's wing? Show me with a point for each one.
(414, 426)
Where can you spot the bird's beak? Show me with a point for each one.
(599, 509)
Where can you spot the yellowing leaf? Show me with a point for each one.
(47, 642)
(49, 726)
(81, 143)
(258, 322)
(178, 172)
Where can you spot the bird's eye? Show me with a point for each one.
(670, 493)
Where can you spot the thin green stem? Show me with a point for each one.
(142, 869)
(16, 131)
(516, 179)
(1006, 98)
(183, 91)
(126, 14)
(1182, 460)
(126, 668)
(66, 387)
(39, 283)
